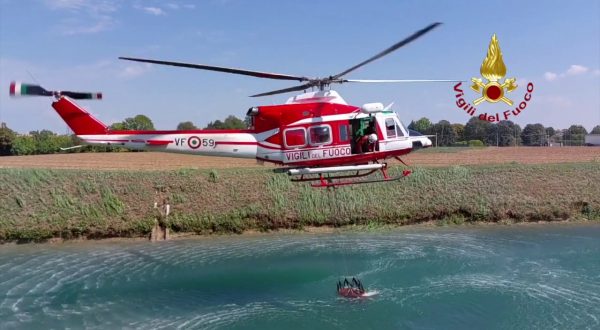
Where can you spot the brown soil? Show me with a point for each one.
(429, 157)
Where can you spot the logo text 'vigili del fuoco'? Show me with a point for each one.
(492, 89)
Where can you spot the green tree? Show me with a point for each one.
(7, 136)
(595, 130)
(23, 145)
(459, 130)
(534, 135)
(575, 135)
(422, 125)
(508, 133)
(63, 141)
(444, 132)
(45, 141)
(217, 124)
(231, 122)
(137, 123)
(186, 125)
(477, 129)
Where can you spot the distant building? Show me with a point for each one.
(592, 140)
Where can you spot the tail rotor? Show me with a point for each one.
(18, 89)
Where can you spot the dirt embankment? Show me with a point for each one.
(37, 204)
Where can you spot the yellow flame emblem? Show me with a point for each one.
(493, 69)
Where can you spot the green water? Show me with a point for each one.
(540, 276)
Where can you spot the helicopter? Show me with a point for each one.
(315, 136)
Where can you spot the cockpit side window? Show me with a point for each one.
(390, 128)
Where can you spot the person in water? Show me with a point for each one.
(350, 289)
(358, 285)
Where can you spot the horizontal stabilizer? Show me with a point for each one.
(21, 89)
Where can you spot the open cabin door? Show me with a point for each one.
(361, 128)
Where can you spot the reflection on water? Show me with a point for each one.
(500, 277)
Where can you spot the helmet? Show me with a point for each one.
(372, 138)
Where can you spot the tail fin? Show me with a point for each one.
(79, 120)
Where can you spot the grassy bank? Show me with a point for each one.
(39, 204)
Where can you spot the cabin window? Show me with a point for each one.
(344, 133)
(295, 137)
(319, 135)
(390, 128)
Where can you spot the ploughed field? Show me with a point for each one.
(428, 157)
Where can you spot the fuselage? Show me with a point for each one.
(312, 129)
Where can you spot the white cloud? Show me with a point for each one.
(577, 69)
(154, 11)
(550, 76)
(84, 16)
(135, 70)
(102, 6)
(573, 70)
(73, 27)
(597, 72)
(66, 4)
(558, 101)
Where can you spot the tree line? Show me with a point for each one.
(475, 132)
(48, 142)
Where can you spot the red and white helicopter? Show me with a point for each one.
(314, 135)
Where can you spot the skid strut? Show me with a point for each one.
(325, 180)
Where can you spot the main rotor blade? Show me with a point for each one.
(286, 90)
(258, 74)
(404, 42)
(397, 80)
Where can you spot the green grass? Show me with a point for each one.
(39, 204)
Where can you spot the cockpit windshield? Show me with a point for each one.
(402, 127)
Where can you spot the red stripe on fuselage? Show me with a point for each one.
(211, 131)
(234, 143)
(105, 140)
(158, 142)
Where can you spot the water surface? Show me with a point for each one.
(540, 276)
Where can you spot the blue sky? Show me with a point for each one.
(74, 45)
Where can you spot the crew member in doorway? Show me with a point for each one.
(366, 143)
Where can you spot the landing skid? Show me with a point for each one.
(340, 180)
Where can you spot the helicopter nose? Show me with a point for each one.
(427, 143)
